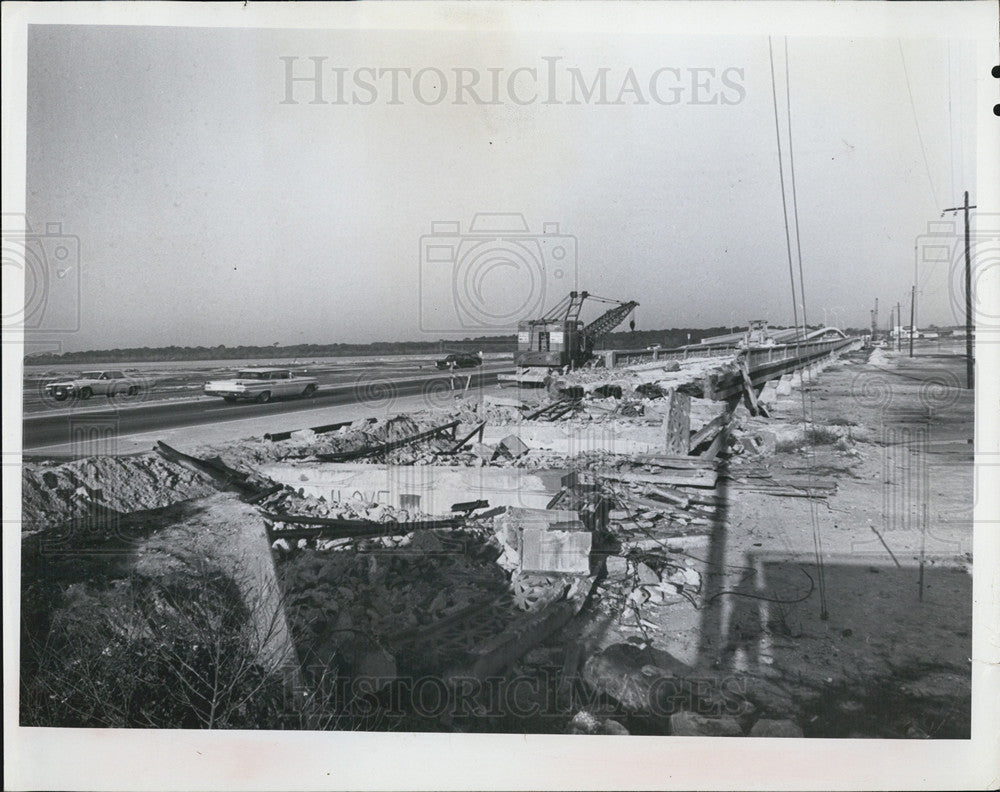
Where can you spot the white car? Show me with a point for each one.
(262, 384)
(95, 383)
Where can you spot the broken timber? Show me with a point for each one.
(709, 431)
(225, 477)
(381, 448)
(275, 436)
(694, 478)
(458, 446)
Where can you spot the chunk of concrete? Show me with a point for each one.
(691, 724)
(767, 727)
(646, 574)
(483, 451)
(545, 550)
(643, 681)
(768, 394)
(544, 540)
(512, 446)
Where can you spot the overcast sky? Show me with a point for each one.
(217, 203)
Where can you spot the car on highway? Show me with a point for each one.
(458, 360)
(95, 383)
(262, 384)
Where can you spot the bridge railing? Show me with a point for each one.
(614, 358)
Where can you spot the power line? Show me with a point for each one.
(781, 176)
(806, 410)
(795, 200)
(916, 123)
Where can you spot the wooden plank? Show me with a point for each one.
(705, 478)
(678, 423)
(748, 389)
(709, 430)
(669, 495)
(719, 443)
(478, 430)
(673, 461)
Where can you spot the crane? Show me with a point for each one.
(560, 339)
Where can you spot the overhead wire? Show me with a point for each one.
(806, 409)
(916, 123)
(781, 176)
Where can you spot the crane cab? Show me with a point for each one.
(550, 343)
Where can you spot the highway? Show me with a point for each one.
(51, 428)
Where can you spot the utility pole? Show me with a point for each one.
(913, 295)
(899, 323)
(968, 290)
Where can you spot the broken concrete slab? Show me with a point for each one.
(585, 722)
(766, 727)
(566, 552)
(431, 489)
(646, 575)
(576, 438)
(691, 724)
(512, 446)
(644, 681)
(544, 540)
(482, 451)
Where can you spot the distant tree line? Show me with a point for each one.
(638, 339)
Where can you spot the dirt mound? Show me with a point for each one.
(55, 493)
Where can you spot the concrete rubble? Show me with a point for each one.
(564, 531)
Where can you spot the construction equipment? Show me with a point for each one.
(560, 340)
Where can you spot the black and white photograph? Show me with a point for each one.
(501, 390)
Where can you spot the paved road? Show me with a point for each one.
(66, 426)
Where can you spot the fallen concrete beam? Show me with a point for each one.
(430, 488)
(570, 439)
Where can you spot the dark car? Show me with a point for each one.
(460, 360)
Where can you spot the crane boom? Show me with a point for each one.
(608, 321)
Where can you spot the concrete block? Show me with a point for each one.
(784, 386)
(567, 552)
(545, 540)
(501, 401)
(766, 727)
(768, 394)
(483, 451)
(691, 724)
(513, 446)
